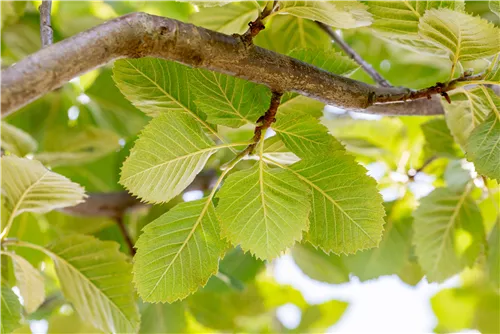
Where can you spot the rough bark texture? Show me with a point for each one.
(46, 32)
(140, 35)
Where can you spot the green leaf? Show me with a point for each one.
(449, 233)
(178, 252)
(171, 150)
(30, 187)
(439, 139)
(240, 266)
(347, 212)
(402, 17)
(16, 141)
(163, 318)
(454, 309)
(284, 33)
(455, 176)
(229, 19)
(317, 318)
(339, 14)
(11, 310)
(320, 266)
(70, 148)
(464, 37)
(483, 146)
(304, 135)
(29, 281)
(96, 278)
(495, 7)
(227, 100)
(263, 209)
(468, 109)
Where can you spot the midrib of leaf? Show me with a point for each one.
(457, 53)
(212, 148)
(490, 101)
(450, 224)
(410, 7)
(471, 104)
(322, 192)
(16, 207)
(261, 183)
(53, 255)
(190, 112)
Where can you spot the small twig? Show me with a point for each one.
(414, 172)
(125, 234)
(439, 88)
(258, 25)
(46, 32)
(355, 56)
(264, 122)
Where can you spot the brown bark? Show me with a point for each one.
(140, 35)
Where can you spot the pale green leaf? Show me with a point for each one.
(29, 281)
(328, 268)
(232, 18)
(464, 37)
(304, 135)
(439, 139)
(483, 146)
(11, 311)
(284, 33)
(275, 149)
(29, 186)
(227, 100)
(178, 252)
(402, 17)
(492, 75)
(70, 148)
(96, 278)
(263, 209)
(317, 318)
(347, 213)
(16, 141)
(468, 109)
(171, 150)
(495, 7)
(455, 176)
(163, 318)
(339, 14)
(448, 233)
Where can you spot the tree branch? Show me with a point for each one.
(46, 32)
(140, 35)
(354, 55)
(125, 235)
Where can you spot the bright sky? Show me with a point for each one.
(383, 305)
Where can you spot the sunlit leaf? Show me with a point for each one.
(317, 318)
(28, 186)
(29, 281)
(11, 310)
(227, 100)
(483, 146)
(16, 141)
(448, 233)
(339, 14)
(464, 37)
(178, 252)
(171, 150)
(304, 135)
(96, 278)
(263, 209)
(347, 212)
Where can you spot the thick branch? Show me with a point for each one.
(46, 32)
(354, 55)
(140, 35)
